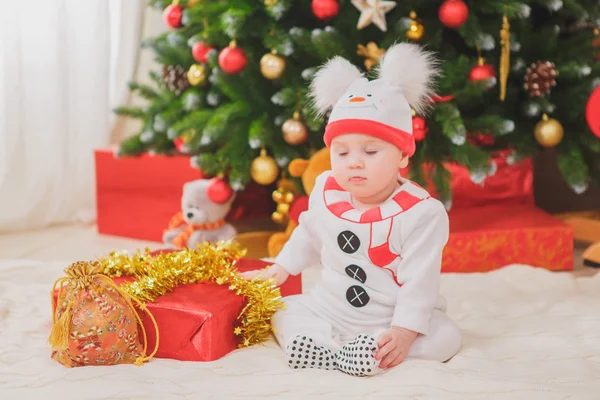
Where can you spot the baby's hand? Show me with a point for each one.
(394, 345)
(274, 271)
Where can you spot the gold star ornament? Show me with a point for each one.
(373, 11)
(371, 52)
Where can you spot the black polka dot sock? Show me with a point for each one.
(358, 357)
(304, 353)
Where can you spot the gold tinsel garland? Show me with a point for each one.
(156, 275)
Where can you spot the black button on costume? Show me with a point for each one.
(356, 272)
(348, 242)
(357, 296)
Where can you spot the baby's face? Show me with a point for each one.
(364, 165)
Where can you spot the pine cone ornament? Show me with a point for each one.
(540, 78)
(175, 78)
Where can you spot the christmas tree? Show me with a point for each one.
(517, 75)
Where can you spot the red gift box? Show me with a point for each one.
(509, 184)
(493, 236)
(196, 322)
(136, 197)
(496, 223)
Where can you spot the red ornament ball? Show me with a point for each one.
(481, 139)
(219, 191)
(325, 9)
(200, 51)
(483, 71)
(172, 16)
(592, 112)
(233, 60)
(180, 145)
(419, 128)
(453, 13)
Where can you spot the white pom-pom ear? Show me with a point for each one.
(331, 81)
(413, 70)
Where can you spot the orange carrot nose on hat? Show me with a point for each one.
(381, 107)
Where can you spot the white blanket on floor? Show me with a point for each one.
(528, 334)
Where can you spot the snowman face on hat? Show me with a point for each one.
(362, 94)
(374, 100)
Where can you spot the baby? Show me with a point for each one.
(379, 237)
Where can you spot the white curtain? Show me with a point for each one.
(64, 65)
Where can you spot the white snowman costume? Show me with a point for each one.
(380, 267)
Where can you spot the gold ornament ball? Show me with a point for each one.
(294, 131)
(283, 208)
(197, 74)
(289, 198)
(264, 169)
(415, 30)
(549, 132)
(277, 196)
(272, 66)
(277, 218)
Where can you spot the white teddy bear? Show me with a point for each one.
(204, 203)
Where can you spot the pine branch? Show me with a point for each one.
(281, 42)
(313, 121)
(590, 141)
(572, 166)
(260, 133)
(286, 97)
(303, 41)
(159, 4)
(573, 9)
(493, 124)
(130, 111)
(451, 122)
(236, 156)
(216, 129)
(234, 19)
(471, 30)
(158, 106)
(326, 43)
(196, 120)
(573, 70)
(143, 90)
(231, 86)
(167, 54)
(442, 180)
(448, 117)
(279, 9)
(131, 146)
(208, 163)
(455, 75)
(161, 144)
(155, 77)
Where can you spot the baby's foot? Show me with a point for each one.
(304, 353)
(358, 357)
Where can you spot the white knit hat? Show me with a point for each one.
(381, 107)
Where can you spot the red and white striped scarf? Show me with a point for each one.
(380, 218)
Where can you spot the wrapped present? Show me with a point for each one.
(136, 197)
(202, 321)
(489, 237)
(507, 183)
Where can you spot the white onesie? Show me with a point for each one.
(380, 268)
